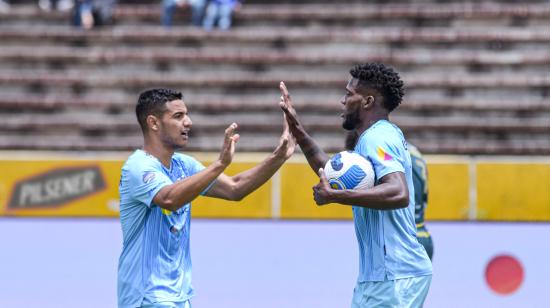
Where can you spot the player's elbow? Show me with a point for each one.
(237, 194)
(238, 198)
(164, 201)
(397, 199)
(236, 190)
(400, 196)
(401, 201)
(231, 193)
(168, 204)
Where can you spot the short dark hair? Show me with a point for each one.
(383, 79)
(153, 102)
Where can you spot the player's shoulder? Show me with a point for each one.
(184, 158)
(384, 132)
(141, 159)
(382, 129)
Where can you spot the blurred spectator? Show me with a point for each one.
(220, 12)
(169, 8)
(93, 13)
(61, 5)
(4, 6)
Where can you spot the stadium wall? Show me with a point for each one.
(462, 188)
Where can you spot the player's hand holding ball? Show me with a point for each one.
(345, 170)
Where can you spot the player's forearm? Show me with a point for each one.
(175, 196)
(315, 156)
(381, 197)
(248, 181)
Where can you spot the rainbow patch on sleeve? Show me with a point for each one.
(382, 154)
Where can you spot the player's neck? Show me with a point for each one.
(158, 150)
(369, 120)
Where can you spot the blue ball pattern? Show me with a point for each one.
(335, 184)
(336, 162)
(352, 177)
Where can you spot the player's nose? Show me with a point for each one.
(187, 122)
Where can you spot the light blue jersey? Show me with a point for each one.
(388, 247)
(155, 263)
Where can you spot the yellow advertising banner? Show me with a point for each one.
(461, 188)
(59, 187)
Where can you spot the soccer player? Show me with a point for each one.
(394, 269)
(156, 188)
(420, 180)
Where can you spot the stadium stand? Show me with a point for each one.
(476, 73)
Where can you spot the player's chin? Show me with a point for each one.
(179, 145)
(348, 126)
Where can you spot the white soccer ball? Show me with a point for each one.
(349, 170)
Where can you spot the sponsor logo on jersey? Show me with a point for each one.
(382, 154)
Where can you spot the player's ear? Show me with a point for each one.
(368, 101)
(153, 122)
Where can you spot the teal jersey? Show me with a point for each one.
(420, 181)
(155, 263)
(388, 248)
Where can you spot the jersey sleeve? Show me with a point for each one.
(145, 180)
(384, 153)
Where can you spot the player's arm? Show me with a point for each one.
(239, 186)
(315, 156)
(391, 193)
(174, 196)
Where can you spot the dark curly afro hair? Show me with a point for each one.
(383, 79)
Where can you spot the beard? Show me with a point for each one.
(172, 143)
(351, 121)
(351, 140)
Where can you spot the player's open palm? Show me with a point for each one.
(287, 142)
(288, 108)
(228, 148)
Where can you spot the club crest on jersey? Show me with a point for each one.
(383, 155)
(148, 176)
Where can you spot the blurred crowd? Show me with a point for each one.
(204, 13)
(88, 14)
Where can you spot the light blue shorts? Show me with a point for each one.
(400, 293)
(148, 304)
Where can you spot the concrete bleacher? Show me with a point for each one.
(476, 73)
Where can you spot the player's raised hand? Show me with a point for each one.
(287, 142)
(288, 109)
(321, 191)
(228, 148)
